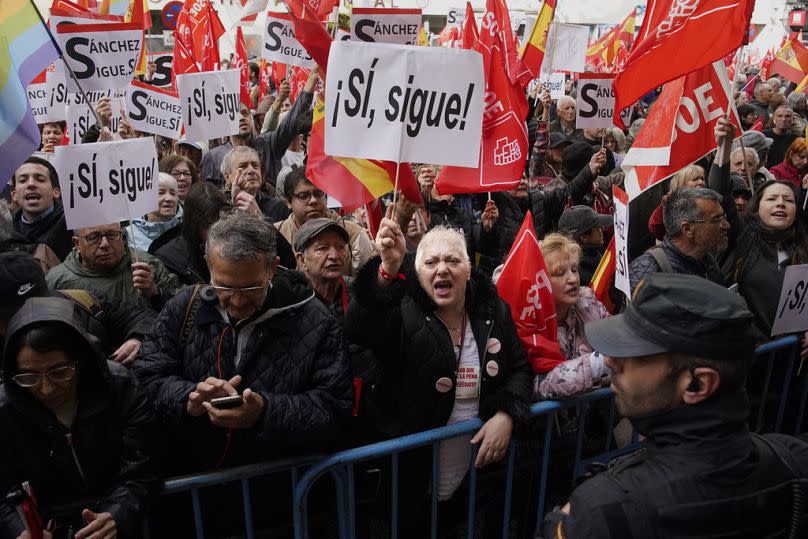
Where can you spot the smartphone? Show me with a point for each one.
(225, 403)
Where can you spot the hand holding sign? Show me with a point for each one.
(143, 279)
(103, 109)
(597, 161)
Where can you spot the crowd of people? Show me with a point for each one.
(245, 320)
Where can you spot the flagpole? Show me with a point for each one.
(552, 54)
(67, 65)
(719, 155)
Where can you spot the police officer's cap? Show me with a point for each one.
(677, 313)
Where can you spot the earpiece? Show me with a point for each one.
(694, 385)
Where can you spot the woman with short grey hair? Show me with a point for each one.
(146, 229)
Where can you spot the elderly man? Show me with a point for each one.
(307, 202)
(256, 333)
(763, 94)
(696, 233)
(241, 169)
(565, 123)
(760, 143)
(780, 134)
(101, 261)
(585, 225)
(321, 248)
(40, 217)
(270, 146)
(679, 358)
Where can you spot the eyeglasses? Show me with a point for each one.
(181, 174)
(718, 219)
(226, 291)
(95, 237)
(306, 195)
(55, 375)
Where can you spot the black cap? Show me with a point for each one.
(739, 184)
(579, 220)
(557, 138)
(21, 277)
(672, 312)
(313, 227)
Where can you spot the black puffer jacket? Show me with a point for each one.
(291, 353)
(107, 436)
(546, 207)
(680, 263)
(415, 350)
(50, 230)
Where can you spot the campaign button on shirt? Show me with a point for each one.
(492, 368)
(493, 346)
(443, 385)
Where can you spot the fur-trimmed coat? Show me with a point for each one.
(415, 351)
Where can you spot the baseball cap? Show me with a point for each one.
(557, 138)
(672, 312)
(21, 277)
(310, 229)
(754, 139)
(578, 220)
(191, 143)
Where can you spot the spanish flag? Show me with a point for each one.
(605, 50)
(791, 61)
(354, 182)
(604, 277)
(532, 54)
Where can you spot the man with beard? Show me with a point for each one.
(270, 146)
(679, 358)
(696, 228)
(40, 217)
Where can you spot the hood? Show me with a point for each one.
(53, 311)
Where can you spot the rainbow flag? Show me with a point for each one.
(25, 50)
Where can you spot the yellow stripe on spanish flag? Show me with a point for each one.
(372, 176)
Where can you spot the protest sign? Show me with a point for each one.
(621, 277)
(163, 62)
(210, 103)
(566, 48)
(792, 314)
(386, 25)
(280, 43)
(595, 101)
(154, 110)
(342, 35)
(56, 87)
(38, 98)
(401, 103)
(456, 16)
(80, 117)
(107, 182)
(553, 82)
(102, 56)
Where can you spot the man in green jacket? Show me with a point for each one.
(101, 261)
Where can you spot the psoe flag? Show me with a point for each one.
(25, 50)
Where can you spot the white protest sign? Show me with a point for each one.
(80, 117)
(621, 278)
(163, 62)
(386, 25)
(595, 101)
(154, 110)
(553, 82)
(56, 87)
(38, 99)
(102, 56)
(107, 182)
(342, 35)
(566, 48)
(792, 314)
(210, 103)
(280, 44)
(404, 104)
(456, 15)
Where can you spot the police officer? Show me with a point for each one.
(679, 356)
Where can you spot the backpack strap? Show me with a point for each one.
(661, 258)
(190, 313)
(85, 300)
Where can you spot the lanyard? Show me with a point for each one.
(344, 295)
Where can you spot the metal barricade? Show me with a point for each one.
(781, 367)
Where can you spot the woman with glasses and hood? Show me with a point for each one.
(74, 429)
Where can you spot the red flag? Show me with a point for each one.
(758, 125)
(471, 34)
(297, 81)
(604, 277)
(263, 77)
(503, 148)
(677, 38)
(373, 210)
(183, 62)
(138, 12)
(606, 50)
(68, 7)
(525, 286)
(791, 61)
(244, 67)
(679, 128)
(309, 31)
